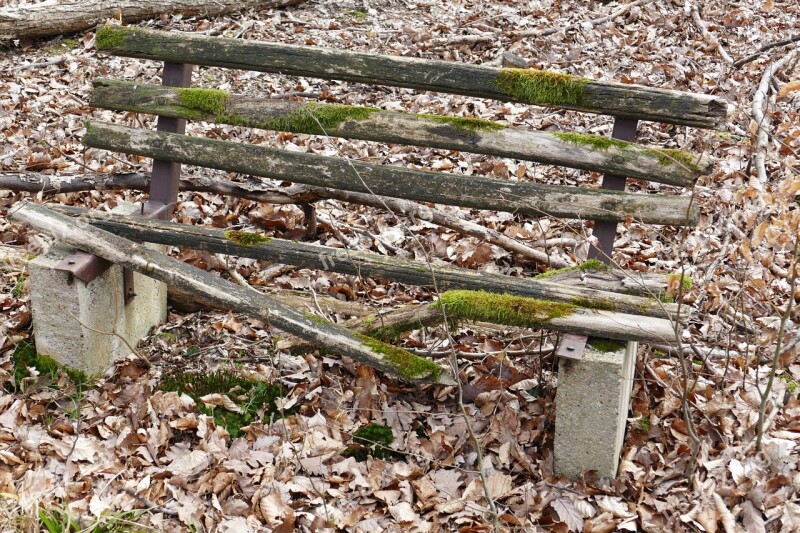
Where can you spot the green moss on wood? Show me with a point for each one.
(685, 282)
(605, 345)
(595, 142)
(599, 304)
(316, 318)
(503, 308)
(209, 101)
(541, 86)
(317, 119)
(246, 238)
(590, 264)
(404, 363)
(109, 37)
(671, 156)
(465, 125)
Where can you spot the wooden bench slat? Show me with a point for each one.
(587, 152)
(353, 262)
(529, 199)
(521, 85)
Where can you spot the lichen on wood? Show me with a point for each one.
(541, 86)
(505, 309)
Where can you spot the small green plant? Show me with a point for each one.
(18, 291)
(255, 398)
(61, 520)
(372, 440)
(359, 16)
(25, 357)
(643, 424)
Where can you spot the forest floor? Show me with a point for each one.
(126, 448)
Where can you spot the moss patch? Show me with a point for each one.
(671, 156)
(210, 101)
(681, 280)
(599, 304)
(595, 142)
(316, 318)
(404, 363)
(591, 264)
(246, 238)
(316, 119)
(25, 357)
(503, 308)
(110, 36)
(605, 345)
(255, 398)
(372, 440)
(465, 125)
(541, 86)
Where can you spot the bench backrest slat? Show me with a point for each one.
(521, 85)
(529, 199)
(587, 152)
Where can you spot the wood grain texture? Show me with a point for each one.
(617, 99)
(631, 160)
(159, 266)
(451, 189)
(307, 255)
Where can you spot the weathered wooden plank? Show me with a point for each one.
(587, 152)
(452, 189)
(352, 262)
(521, 85)
(119, 250)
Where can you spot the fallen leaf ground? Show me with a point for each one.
(122, 452)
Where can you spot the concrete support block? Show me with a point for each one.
(74, 322)
(592, 403)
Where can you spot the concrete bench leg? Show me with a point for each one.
(592, 404)
(62, 308)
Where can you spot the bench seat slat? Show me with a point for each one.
(587, 152)
(521, 85)
(353, 262)
(529, 199)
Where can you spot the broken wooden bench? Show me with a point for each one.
(635, 313)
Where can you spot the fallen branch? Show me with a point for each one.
(259, 191)
(58, 18)
(128, 254)
(764, 48)
(713, 41)
(760, 115)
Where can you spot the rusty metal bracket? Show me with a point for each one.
(572, 346)
(83, 265)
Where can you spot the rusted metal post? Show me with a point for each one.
(606, 232)
(166, 174)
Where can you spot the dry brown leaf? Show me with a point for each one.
(789, 88)
(567, 513)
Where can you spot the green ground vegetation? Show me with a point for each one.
(372, 440)
(255, 398)
(25, 357)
